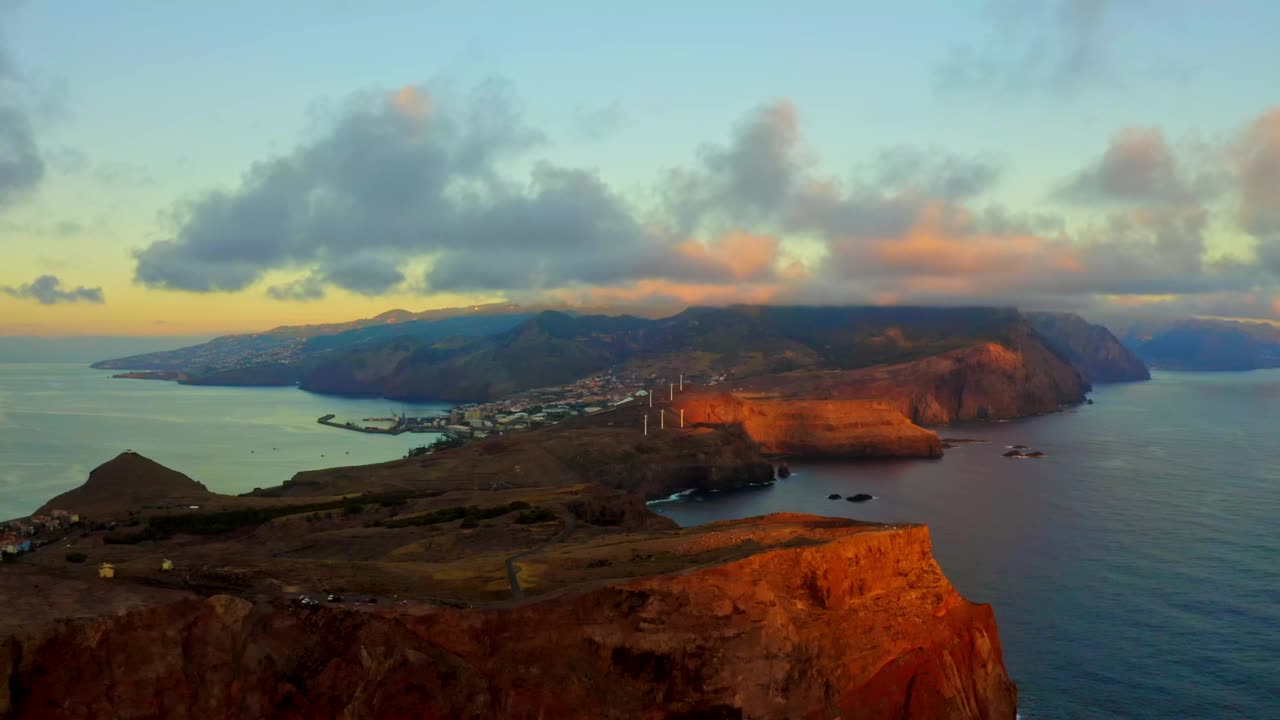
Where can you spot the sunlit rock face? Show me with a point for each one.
(834, 428)
(840, 620)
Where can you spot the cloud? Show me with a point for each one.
(387, 176)
(599, 122)
(304, 290)
(405, 175)
(936, 172)
(1258, 164)
(1061, 47)
(47, 290)
(21, 167)
(1138, 165)
(415, 190)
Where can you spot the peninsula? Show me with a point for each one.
(446, 580)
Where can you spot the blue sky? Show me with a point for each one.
(141, 108)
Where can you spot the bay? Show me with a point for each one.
(59, 421)
(1135, 570)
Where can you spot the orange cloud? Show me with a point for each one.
(666, 291)
(941, 252)
(746, 256)
(412, 102)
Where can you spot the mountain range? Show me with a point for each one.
(487, 352)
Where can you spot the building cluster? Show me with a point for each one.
(542, 406)
(22, 536)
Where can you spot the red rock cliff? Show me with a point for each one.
(985, 381)
(842, 621)
(845, 428)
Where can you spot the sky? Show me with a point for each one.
(188, 168)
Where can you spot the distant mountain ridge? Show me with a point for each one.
(287, 345)
(1202, 343)
(488, 352)
(742, 341)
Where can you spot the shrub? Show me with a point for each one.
(469, 522)
(536, 515)
(353, 509)
(76, 557)
(460, 512)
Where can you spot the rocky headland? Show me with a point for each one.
(517, 577)
(985, 381)
(814, 428)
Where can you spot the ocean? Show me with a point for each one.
(58, 422)
(1134, 570)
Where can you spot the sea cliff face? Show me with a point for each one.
(837, 428)
(985, 381)
(837, 620)
(1092, 349)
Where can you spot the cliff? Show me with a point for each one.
(1091, 349)
(1018, 377)
(805, 618)
(835, 428)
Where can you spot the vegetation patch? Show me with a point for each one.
(444, 442)
(536, 515)
(470, 515)
(162, 527)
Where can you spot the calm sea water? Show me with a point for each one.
(58, 422)
(1135, 572)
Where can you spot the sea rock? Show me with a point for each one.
(1013, 453)
(856, 622)
(1035, 454)
(833, 496)
(784, 471)
(838, 428)
(860, 497)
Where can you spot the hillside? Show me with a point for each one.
(1092, 349)
(1018, 377)
(1202, 344)
(129, 481)
(291, 345)
(741, 341)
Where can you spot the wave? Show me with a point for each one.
(674, 497)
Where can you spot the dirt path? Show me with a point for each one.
(513, 572)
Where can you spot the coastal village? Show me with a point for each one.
(18, 537)
(530, 409)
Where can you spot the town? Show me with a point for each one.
(18, 537)
(530, 409)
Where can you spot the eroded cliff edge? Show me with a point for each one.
(813, 428)
(985, 381)
(515, 577)
(813, 618)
